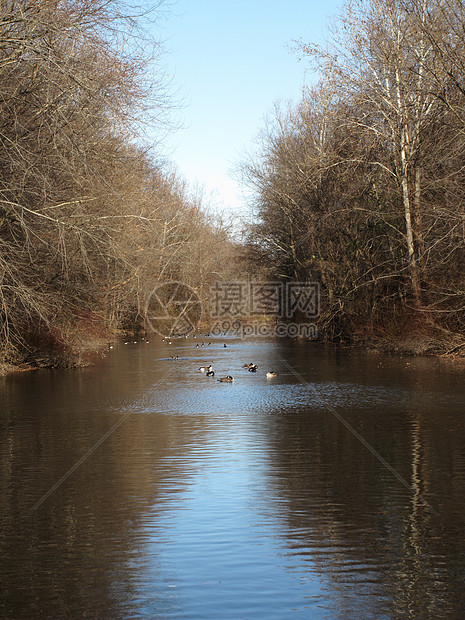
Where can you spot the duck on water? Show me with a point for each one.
(251, 367)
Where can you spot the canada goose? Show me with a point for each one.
(205, 368)
(227, 379)
(252, 368)
(271, 375)
(210, 373)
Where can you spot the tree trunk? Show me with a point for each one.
(418, 220)
(413, 266)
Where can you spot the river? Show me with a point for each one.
(141, 488)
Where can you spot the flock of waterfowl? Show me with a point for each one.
(142, 339)
(207, 369)
(251, 367)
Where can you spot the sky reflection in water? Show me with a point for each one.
(238, 500)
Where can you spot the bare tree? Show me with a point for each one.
(89, 219)
(360, 184)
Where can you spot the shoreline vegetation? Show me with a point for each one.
(408, 339)
(359, 186)
(92, 217)
(411, 342)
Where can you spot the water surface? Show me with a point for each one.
(335, 490)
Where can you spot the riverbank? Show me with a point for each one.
(77, 354)
(426, 340)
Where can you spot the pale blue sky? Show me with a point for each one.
(230, 61)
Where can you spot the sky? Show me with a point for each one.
(229, 62)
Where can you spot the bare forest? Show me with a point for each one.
(361, 185)
(90, 218)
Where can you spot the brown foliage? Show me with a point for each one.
(360, 186)
(89, 221)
